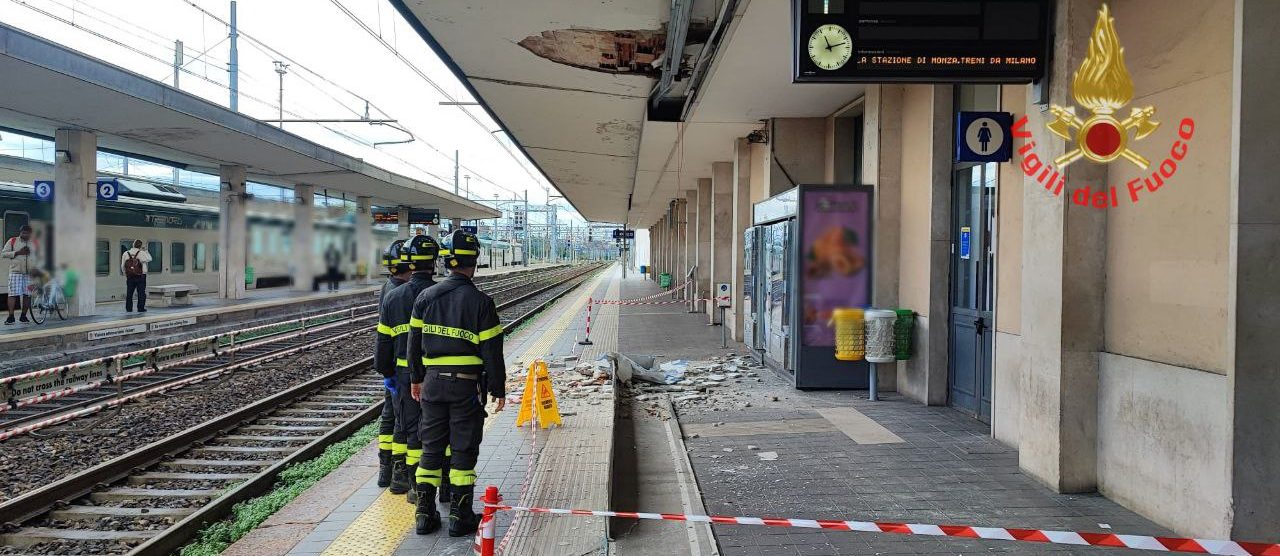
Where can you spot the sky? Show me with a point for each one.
(336, 65)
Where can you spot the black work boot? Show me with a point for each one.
(427, 517)
(400, 480)
(384, 468)
(463, 520)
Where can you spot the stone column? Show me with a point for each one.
(758, 168)
(704, 239)
(722, 232)
(233, 231)
(366, 252)
(75, 216)
(740, 218)
(1062, 323)
(882, 168)
(402, 223)
(1255, 247)
(691, 239)
(304, 252)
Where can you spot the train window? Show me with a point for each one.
(156, 265)
(178, 256)
(125, 245)
(102, 257)
(215, 257)
(14, 221)
(256, 243)
(197, 257)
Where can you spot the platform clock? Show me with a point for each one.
(830, 46)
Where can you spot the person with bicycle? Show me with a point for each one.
(24, 254)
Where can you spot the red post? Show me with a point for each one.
(487, 525)
(587, 341)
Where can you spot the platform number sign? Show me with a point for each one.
(624, 234)
(108, 190)
(470, 229)
(43, 190)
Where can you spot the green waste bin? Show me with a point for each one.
(903, 330)
(664, 280)
(248, 276)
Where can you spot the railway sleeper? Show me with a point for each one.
(284, 419)
(125, 494)
(215, 450)
(28, 537)
(151, 477)
(285, 428)
(191, 464)
(94, 513)
(250, 439)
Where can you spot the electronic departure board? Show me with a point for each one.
(921, 41)
(417, 217)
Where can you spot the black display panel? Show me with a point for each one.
(920, 41)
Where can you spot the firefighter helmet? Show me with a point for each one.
(391, 257)
(420, 253)
(461, 249)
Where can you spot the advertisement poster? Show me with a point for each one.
(835, 262)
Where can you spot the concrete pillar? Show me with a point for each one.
(799, 152)
(703, 214)
(740, 220)
(1254, 310)
(882, 168)
(758, 167)
(722, 186)
(75, 214)
(366, 252)
(1062, 329)
(679, 241)
(233, 230)
(402, 223)
(305, 259)
(691, 239)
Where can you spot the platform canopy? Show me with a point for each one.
(47, 86)
(574, 82)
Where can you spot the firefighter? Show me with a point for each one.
(387, 427)
(392, 358)
(456, 357)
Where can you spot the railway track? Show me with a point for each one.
(152, 500)
(108, 383)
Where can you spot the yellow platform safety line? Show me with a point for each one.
(539, 396)
(381, 527)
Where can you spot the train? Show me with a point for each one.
(182, 238)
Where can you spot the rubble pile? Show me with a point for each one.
(691, 385)
(573, 382)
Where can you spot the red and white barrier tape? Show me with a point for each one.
(663, 302)
(1143, 542)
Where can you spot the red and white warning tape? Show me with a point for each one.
(663, 302)
(1143, 542)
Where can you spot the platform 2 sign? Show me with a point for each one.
(925, 41)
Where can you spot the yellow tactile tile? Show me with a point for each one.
(378, 531)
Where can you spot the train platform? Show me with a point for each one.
(347, 514)
(745, 443)
(113, 328)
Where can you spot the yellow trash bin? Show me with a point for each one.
(850, 343)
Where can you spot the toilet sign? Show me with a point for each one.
(723, 295)
(43, 190)
(984, 137)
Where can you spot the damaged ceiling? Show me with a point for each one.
(571, 81)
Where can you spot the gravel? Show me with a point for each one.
(27, 462)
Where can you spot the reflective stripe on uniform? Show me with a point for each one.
(415, 322)
(398, 449)
(453, 360)
(462, 477)
(428, 476)
(471, 252)
(412, 456)
(421, 258)
(384, 442)
(490, 333)
(402, 362)
(450, 332)
(392, 331)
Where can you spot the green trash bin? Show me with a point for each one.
(664, 280)
(248, 276)
(903, 329)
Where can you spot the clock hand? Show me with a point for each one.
(837, 44)
(828, 41)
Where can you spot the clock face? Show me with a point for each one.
(830, 46)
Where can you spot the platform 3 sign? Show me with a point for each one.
(927, 41)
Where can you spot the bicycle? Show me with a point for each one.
(50, 300)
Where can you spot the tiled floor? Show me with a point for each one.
(946, 470)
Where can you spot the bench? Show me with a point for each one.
(171, 295)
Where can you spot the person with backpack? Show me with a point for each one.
(22, 251)
(133, 265)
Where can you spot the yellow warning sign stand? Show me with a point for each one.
(538, 395)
